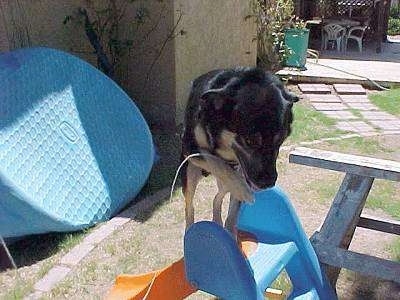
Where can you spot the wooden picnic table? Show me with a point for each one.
(332, 241)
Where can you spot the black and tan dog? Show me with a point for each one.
(236, 119)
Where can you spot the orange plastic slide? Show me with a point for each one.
(169, 283)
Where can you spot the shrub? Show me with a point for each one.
(394, 26)
(395, 11)
(272, 18)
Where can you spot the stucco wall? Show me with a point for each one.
(216, 35)
(26, 23)
(157, 73)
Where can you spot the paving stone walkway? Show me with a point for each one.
(349, 104)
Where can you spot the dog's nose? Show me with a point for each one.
(266, 181)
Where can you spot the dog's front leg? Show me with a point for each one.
(193, 175)
(231, 219)
(217, 203)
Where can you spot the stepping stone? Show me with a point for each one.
(329, 106)
(362, 106)
(354, 98)
(387, 124)
(53, 277)
(392, 132)
(344, 88)
(355, 126)
(377, 115)
(326, 98)
(313, 88)
(339, 114)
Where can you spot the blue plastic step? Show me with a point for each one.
(309, 295)
(269, 260)
(214, 263)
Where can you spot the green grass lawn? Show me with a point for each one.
(310, 125)
(388, 101)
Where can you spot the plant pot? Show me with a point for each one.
(297, 40)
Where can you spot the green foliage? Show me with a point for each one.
(394, 20)
(272, 18)
(394, 26)
(395, 11)
(115, 37)
(102, 23)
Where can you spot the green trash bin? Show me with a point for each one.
(297, 40)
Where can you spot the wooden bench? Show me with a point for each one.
(332, 241)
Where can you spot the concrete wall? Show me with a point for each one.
(158, 71)
(216, 35)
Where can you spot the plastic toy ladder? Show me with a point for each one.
(215, 264)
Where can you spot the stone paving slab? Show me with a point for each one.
(386, 124)
(378, 115)
(54, 276)
(339, 114)
(354, 98)
(77, 253)
(344, 88)
(99, 234)
(392, 132)
(355, 126)
(329, 106)
(362, 106)
(328, 98)
(313, 88)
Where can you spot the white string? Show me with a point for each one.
(178, 170)
(150, 286)
(180, 167)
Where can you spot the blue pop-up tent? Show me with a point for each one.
(74, 148)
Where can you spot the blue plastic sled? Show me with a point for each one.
(74, 149)
(215, 264)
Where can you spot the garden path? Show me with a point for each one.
(349, 104)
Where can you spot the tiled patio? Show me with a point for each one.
(352, 67)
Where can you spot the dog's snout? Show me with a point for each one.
(266, 180)
(295, 98)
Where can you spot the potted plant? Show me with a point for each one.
(277, 37)
(296, 40)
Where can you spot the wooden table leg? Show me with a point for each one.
(342, 218)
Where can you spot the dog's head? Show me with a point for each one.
(253, 112)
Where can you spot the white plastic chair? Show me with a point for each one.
(355, 33)
(333, 32)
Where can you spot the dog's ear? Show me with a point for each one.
(216, 97)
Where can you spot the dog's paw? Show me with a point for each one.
(242, 193)
(239, 189)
